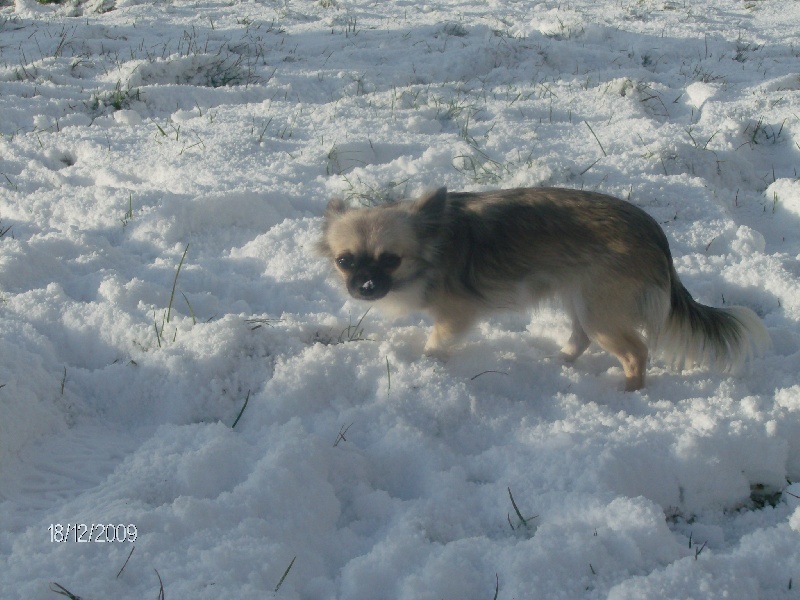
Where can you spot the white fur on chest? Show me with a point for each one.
(410, 298)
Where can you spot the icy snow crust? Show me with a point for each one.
(130, 129)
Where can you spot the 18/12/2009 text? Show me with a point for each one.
(97, 532)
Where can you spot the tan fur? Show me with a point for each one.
(461, 256)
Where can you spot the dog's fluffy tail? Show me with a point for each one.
(696, 334)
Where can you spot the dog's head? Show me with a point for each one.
(380, 249)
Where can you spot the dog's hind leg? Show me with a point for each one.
(630, 350)
(577, 344)
(611, 319)
(578, 340)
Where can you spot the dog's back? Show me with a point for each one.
(552, 234)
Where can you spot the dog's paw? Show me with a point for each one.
(562, 357)
(567, 358)
(439, 353)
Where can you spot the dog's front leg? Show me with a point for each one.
(447, 330)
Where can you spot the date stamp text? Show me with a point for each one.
(92, 533)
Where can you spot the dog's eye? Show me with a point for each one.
(346, 262)
(389, 261)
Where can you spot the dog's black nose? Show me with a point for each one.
(367, 288)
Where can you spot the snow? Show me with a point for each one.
(133, 132)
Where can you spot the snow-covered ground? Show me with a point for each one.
(163, 171)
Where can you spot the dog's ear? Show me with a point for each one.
(335, 207)
(428, 213)
(431, 205)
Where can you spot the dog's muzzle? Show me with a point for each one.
(369, 285)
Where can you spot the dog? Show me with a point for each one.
(460, 256)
